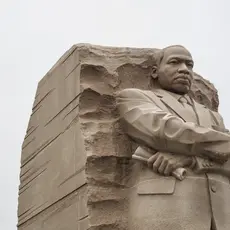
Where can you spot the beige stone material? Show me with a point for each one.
(179, 133)
(76, 164)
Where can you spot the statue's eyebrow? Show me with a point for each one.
(180, 59)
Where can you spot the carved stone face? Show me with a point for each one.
(175, 71)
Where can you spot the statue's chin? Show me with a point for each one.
(180, 89)
(177, 87)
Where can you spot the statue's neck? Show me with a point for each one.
(158, 87)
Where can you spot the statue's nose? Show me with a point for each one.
(183, 68)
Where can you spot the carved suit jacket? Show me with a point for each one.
(159, 120)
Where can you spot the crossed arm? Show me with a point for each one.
(147, 124)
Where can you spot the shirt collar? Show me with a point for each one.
(178, 96)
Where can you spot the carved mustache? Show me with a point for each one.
(183, 77)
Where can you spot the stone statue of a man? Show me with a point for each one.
(174, 131)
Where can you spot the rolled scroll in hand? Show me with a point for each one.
(143, 155)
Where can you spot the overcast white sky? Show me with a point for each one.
(35, 33)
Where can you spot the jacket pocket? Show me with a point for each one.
(164, 185)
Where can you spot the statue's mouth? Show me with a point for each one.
(182, 79)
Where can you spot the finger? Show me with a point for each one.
(182, 163)
(162, 166)
(152, 159)
(173, 165)
(157, 163)
(169, 168)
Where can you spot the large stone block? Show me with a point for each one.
(75, 163)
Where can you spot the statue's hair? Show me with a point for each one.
(160, 54)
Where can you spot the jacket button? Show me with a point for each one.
(213, 188)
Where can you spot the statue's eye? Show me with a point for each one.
(190, 65)
(173, 61)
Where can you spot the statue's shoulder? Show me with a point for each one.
(216, 116)
(134, 90)
(134, 93)
(218, 119)
(204, 106)
(129, 92)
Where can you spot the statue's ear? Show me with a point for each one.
(154, 74)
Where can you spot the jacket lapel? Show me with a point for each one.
(203, 114)
(171, 102)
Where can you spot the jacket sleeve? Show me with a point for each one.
(145, 122)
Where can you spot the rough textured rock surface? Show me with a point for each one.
(75, 164)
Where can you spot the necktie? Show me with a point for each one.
(183, 100)
(189, 109)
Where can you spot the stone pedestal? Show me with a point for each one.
(75, 163)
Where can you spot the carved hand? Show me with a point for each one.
(219, 152)
(217, 157)
(166, 163)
